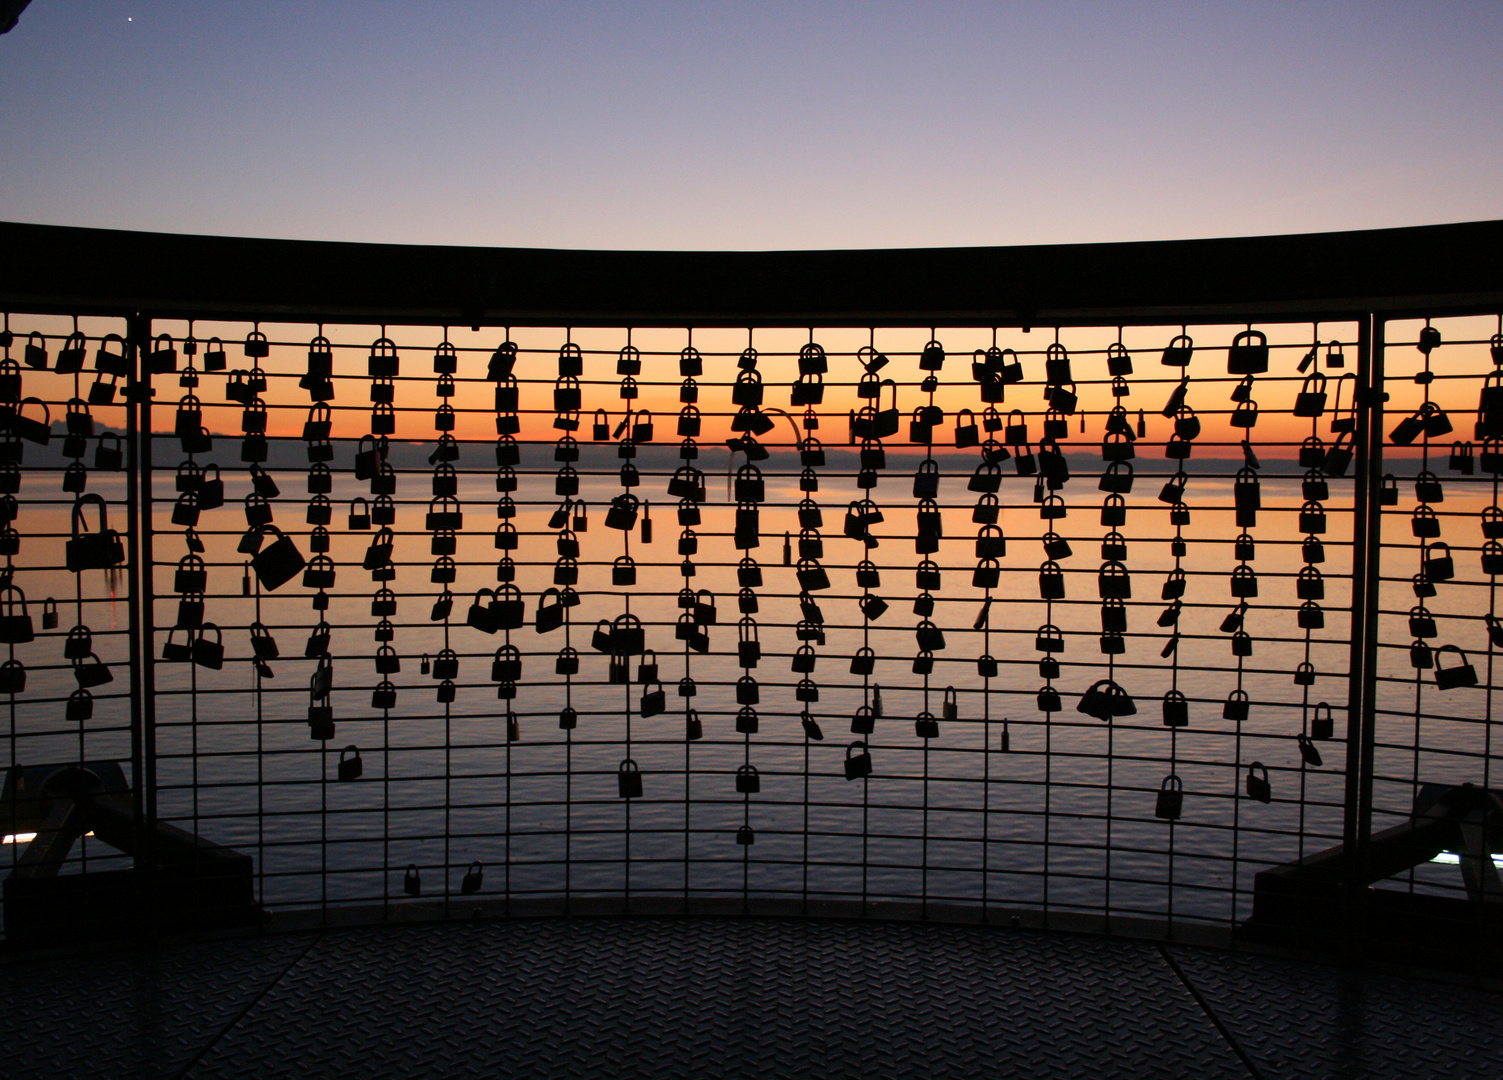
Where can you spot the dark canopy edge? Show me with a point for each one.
(1426, 270)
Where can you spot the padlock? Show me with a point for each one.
(1051, 581)
(1105, 699)
(1311, 399)
(1462, 459)
(1248, 354)
(1458, 675)
(350, 768)
(653, 703)
(1176, 709)
(748, 782)
(1178, 352)
(473, 878)
(629, 780)
(91, 671)
(1244, 582)
(277, 563)
(858, 761)
(1322, 726)
(1258, 786)
(1170, 801)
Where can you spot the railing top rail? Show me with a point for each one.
(1426, 270)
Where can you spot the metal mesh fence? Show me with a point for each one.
(1059, 619)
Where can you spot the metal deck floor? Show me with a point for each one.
(724, 997)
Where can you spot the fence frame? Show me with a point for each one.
(1369, 277)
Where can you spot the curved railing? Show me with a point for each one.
(1043, 582)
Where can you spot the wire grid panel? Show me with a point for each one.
(1058, 620)
(1438, 620)
(66, 676)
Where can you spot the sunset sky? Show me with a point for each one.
(770, 125)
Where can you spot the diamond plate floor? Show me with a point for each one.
(1298, 1020)
(725, 998)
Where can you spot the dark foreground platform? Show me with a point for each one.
(717, 997)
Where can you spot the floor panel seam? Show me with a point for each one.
(1205, 1007)
(241, 1015)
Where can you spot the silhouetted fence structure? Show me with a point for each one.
(1087, 581)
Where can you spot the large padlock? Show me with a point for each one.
(277, 563)
(1462, 674)
(1248, 354)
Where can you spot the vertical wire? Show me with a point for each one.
(1492, 608)
(986, 738)
(17, 772)
(626, 711)
(1424, 547)
(866, 780)
(1178, 546)
(1237, 756)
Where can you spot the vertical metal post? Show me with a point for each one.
(1366, 552)
(138, 558)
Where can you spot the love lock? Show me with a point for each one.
(1449, 678)
(473, 878)
(1171, 799)
(858, 761)
(1257, 785)
(350, 767)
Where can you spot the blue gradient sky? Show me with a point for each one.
(750, 125)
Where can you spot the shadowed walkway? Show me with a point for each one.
(727, 997)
